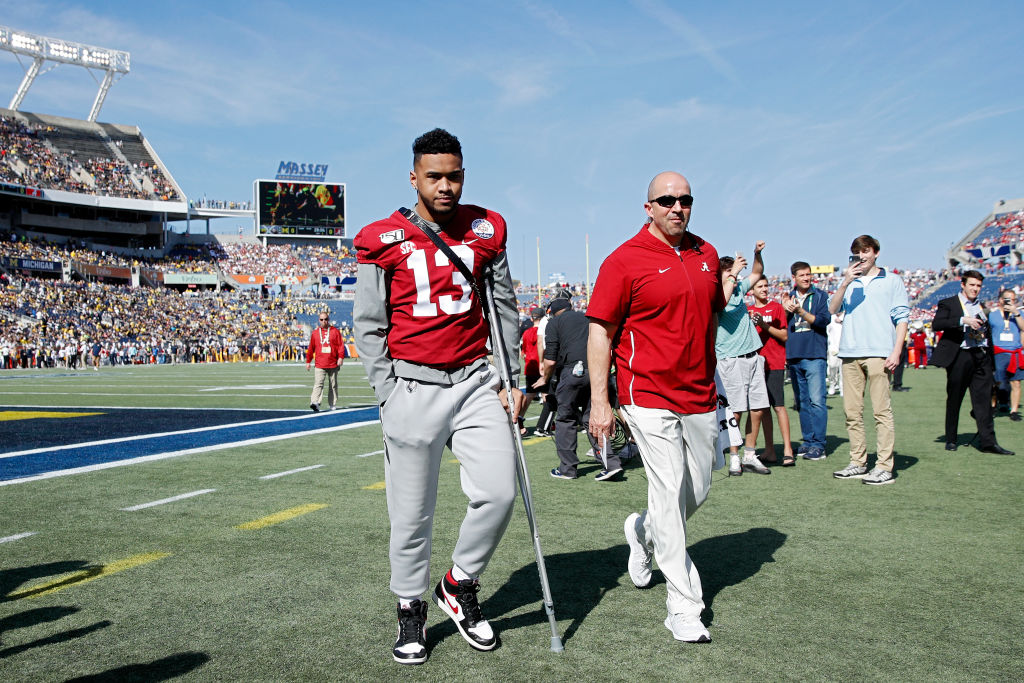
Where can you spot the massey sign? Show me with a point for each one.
(289, 170)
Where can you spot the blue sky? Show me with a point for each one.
(800, 123)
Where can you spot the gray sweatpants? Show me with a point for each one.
(418, 421)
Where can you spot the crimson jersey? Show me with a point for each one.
(531, 366)
(435, 319)
(663, 303)
(774, 351)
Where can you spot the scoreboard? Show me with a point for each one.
(299, 209)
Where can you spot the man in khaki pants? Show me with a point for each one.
(325, 346)
(874, 302)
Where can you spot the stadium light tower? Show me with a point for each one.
(42, 49)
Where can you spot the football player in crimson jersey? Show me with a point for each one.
(422, 336)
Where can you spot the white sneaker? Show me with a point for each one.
(750, 463)
(639, 563)
(734, 466)
(851, 471)
(687, 629)
(878, 477)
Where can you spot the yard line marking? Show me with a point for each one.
(250, 387)
(367, 455)
(379, 486)
(172, 499)
(187, 451)
(282, 516)
(285, 474)
(536, 439)
(86, 575)
(16, 537)
(197, 430)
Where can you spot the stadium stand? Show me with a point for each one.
(52, 152)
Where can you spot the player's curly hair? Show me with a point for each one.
(437, 141)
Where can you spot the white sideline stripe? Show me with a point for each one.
(285, 474)
(189, 451)
(139, 437)
(15, 537)
(367, 455)
(172, 499)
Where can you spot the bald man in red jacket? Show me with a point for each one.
(326, 346)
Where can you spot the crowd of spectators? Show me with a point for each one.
(253, 257)
(27, 158)
(233, 258)
(49, 321)
(326, 260)
(205, 203)
(1005, 228)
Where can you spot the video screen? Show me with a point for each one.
(297, 209)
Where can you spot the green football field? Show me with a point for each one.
(199, 567)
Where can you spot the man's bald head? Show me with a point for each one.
(667, 182)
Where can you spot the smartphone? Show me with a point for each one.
(854, 258)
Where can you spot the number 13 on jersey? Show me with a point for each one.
(417, 261)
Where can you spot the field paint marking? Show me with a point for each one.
(18, 537)
(535, 439)
(172, 499)
(379, 486)
(252, 387)
(197, 430)
(282, 516)
(285, 474)
(7, 415)
(187, 451)
(367, 455)
(87, 575)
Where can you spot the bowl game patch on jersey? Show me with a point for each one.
(482, 228)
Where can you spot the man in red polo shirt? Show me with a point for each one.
(653, 309)
(325, 347)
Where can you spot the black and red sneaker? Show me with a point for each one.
(458, 600)
(411, 646)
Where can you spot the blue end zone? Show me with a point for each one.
(31, 464)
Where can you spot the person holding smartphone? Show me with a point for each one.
(1007, 323)
(876, 313)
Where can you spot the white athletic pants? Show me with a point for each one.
(678, 452)
(418, 421)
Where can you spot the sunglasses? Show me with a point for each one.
(322, 319)
(668, 201)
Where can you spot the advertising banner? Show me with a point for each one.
(190, 279)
